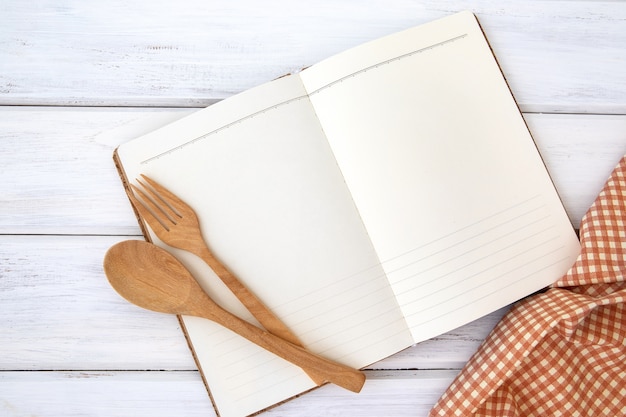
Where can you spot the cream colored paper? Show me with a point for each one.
(444, 173)
(378, 198)
(275, 209)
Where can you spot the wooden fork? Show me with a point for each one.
(176, 224)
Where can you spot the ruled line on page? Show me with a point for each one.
(385, 311)
(476, 260)
(449, 286)
(386, 62)
(361, 286)
(479, 240)
(347, 283)
(368, 283)
(278, 105)
(254, 382)
(379, 308)
(346, 355)
(534, 201)
(363, 341)
(492, 252)
(389, 324)
(339, 286)
(488, 294)
(375, 272)
(365, 289)
(224, 127)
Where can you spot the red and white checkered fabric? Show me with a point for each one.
(561, 352)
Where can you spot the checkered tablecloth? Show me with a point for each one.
(561, 352)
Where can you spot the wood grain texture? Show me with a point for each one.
(103, 394)
(87, 351)
(558, 56)
(382, 395)
(59, 178)
(166, 394)
(59, 312)
(579, 152)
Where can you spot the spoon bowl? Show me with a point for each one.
(150, 277)
(165, 285)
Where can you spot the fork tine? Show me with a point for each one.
(157, 201)
(165, 195)
(145, 211)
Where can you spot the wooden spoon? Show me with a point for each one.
(152, 278)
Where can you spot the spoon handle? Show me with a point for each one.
(341, 375)
(248, 299)
(263, 314)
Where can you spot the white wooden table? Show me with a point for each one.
(79, 77)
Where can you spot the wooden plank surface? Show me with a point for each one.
(59, 178)
(77, 78)
(559, 56)
(166, 394)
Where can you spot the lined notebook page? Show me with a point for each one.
(445, 175)
(381, 197)
(274, 208)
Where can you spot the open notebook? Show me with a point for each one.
(374, 200)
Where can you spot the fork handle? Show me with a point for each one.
(263, 314)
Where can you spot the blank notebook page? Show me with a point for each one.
(444, 173)
(274, 209)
